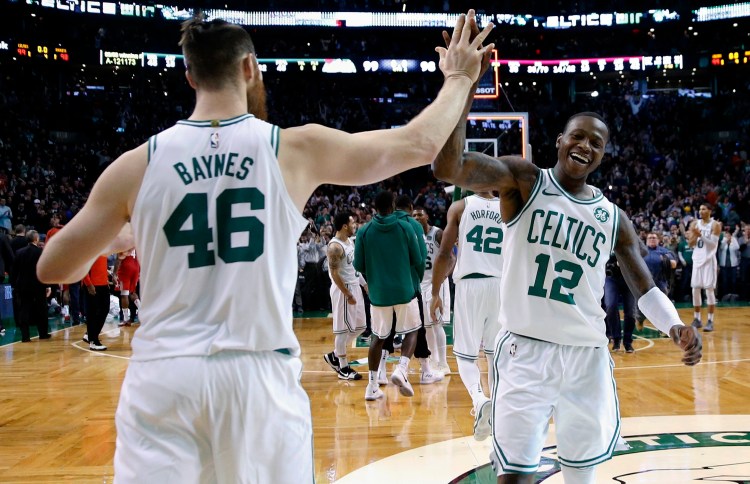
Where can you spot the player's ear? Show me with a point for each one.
(557, 142)
(189, 78)
(250, 67)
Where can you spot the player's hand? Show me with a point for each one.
(91, 290)
(351, 300)
(689, 339)
(464, 54)
(473, 35)
(435, 307)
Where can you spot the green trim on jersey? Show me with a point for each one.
(151, 148)
(211, 123)
(597, 197)
(275, 131)
(615, 227)
(534, 192)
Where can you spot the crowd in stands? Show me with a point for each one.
(61, 125)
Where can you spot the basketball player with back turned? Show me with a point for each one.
(212, 391)
(551, 357)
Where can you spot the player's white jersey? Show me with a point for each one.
(216, 233)
(433, 246)
(556, 250)
(480, 239)
(706, 246)
(346, 269)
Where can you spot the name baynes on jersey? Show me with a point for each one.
(212, 166)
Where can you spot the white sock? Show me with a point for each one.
(469, 372)
(425, 364)
(137, 303)
(373, 377)
(440, 345)
(383, 358)
(343, 362)
(431, 343)
(403, 362)
(711, 317)
(697, 315)
(126, 314)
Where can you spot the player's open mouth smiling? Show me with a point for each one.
(580, 158)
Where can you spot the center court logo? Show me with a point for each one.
(683, 457)
(674, 449)
(601, 214)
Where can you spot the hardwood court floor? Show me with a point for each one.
(57, 400)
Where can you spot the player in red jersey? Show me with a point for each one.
(127, 271)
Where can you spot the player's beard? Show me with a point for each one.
(256, 101)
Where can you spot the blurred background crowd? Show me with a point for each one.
(679, 137)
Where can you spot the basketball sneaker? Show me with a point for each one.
(96, 346)
(482, 412)
(697, 323)
(333, 362)
(709, 326)
(616, 346)
(85, 337)
(373, 392)
(349, 373)
(433, 376)
(443, 368)
(399, 378)
(629, 348)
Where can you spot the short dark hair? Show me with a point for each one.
(404, 201)
(589, 114)
(341, 219)
(419, 208)
(384, 202)
(213, 49)
(20, 229)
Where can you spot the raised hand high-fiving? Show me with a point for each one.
(465, 55)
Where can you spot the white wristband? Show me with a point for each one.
(657, 307)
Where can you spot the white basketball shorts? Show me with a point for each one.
(476, 313)
(347, 318)
(232, 417)
(407, 318)
(445, 312)
(705, 276)
(536, 380)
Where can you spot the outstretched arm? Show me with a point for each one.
(99, 227)
(654, 304)
(444, 259)
(476, 171)
(312, 155)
